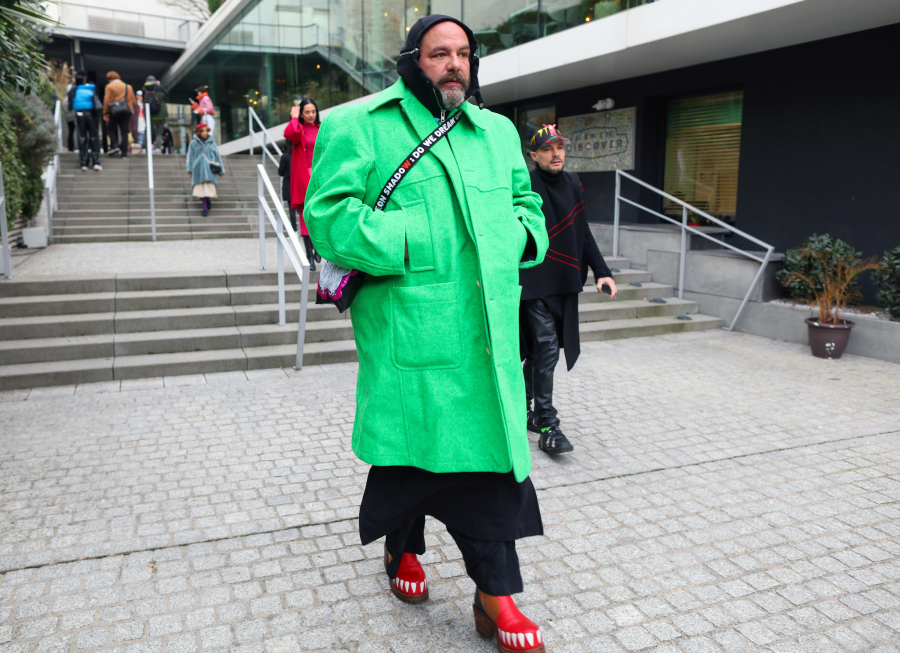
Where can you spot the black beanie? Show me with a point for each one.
(411, 73)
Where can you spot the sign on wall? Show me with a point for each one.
(600, 141)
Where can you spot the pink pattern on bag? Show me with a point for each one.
(340, 289)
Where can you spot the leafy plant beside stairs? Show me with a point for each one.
(824, 273)
(888, 278)
(27, 143)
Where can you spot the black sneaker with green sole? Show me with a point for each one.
(553, 441)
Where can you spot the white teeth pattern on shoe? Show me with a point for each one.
(521, 640)
(406, 583)
(539, 638)
(502, 635)
(530, 638)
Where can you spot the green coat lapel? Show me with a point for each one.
(423, 124)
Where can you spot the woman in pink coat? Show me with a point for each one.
(301, 131)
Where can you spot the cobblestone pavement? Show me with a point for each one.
(106, 259)
(727, 493)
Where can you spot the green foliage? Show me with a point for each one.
(21, 61)
(213, 5)
(14, 174)
(812, 267)
(28, 141)
(823, 273)
(888, 277)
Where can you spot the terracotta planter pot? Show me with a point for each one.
(828, 340)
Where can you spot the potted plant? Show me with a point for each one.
(888, 278)
(823, 273)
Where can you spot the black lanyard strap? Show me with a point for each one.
(420, 151)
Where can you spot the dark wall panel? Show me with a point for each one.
(820, 141)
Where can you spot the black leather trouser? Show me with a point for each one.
(539, 368)
(88, 143)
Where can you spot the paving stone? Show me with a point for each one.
(748, 504)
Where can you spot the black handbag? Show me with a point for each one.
(340, 284)
(215, 168)
(119, 108)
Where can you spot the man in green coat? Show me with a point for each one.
(440, 392)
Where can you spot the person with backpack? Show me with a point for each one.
(152, 91)
(204, 164)
(118, 105)
(83, 100)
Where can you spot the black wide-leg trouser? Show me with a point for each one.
(493, 566)
(539, 368)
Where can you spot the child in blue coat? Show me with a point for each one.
(203, 166)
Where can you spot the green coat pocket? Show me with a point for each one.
(425, 327)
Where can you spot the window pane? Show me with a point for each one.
(703, 145)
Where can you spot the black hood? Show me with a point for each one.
(412, 75)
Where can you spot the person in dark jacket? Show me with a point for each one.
(83, 100)
(548, 315)
(284, 169)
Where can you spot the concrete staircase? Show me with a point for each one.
(80, 330)
(114, 204)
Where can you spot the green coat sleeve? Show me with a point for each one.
(533, 240)
(344, 229)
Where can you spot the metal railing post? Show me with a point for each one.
(265, 146)
(250, 121)
(291, 246)
(681, 259)
(48, 199)
(281, 310)
(148, 134)
(759, 273)
(686, 230)
(262, 225)
(616, 216)
(4, 231)
(301, 327)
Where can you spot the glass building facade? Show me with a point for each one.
(338, 50)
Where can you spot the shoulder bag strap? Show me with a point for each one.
(413, 158)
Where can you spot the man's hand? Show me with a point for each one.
(190, 174)
(609, 282)
(295, 111)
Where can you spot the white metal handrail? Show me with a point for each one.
(4, 231)
(295, 253)
(50, 185)
(252, 115)
(148, 142)
(685, 207)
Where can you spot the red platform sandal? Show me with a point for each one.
(410, 584)
(498, 615)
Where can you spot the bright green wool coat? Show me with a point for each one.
(440, 382)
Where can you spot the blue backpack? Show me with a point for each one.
(84, 98)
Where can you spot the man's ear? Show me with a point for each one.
(533, 156)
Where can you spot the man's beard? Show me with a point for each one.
(548, 169)
(453, 98)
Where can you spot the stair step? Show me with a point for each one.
(627, 292)
(631, 309)
(35, 375)
(651, 326)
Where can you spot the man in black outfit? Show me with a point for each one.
(548, 315)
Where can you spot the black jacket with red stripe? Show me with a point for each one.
(572, 245)
(561, 276)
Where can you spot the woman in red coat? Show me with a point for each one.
(302, 131)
